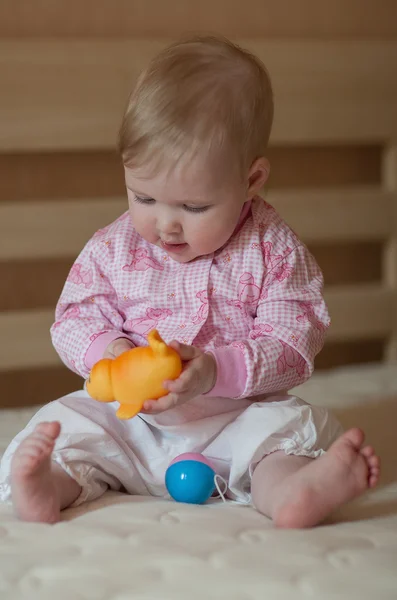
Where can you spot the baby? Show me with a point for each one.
(206, 261)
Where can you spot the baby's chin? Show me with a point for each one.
(189, 255)
(185, 257)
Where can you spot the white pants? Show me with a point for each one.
(99, 451)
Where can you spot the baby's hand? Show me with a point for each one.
(117, 347)
(198, 377)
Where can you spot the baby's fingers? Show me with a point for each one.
(185, 352)
(178, 386)
(153, 407)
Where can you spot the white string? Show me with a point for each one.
(221, 494)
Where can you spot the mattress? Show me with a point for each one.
(122, 547)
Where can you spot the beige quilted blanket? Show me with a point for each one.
(147, 549)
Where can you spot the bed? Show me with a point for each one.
(123, 547)
(329, 94)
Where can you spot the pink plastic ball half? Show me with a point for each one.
(193, 456)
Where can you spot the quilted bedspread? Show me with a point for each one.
(122, 547)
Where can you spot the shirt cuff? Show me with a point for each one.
(97, 349)
(231, 377)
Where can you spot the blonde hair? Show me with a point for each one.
(203, 94)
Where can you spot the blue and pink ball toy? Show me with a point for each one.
(190, 478)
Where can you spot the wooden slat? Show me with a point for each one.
(342, 263)
(332, 166)
(38, 385)
(332, 91)
(66, 95)
(43, 230)
(26, 340)
(353, 352)
(336, 215)
(314, 18)
(56, 175)
(358, 312)
(71, 94)
(27, 284)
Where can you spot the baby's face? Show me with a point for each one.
(184, 211)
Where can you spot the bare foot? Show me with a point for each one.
(346, 471)
(34, 494)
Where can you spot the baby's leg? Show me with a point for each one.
(40, 487)
(297, 492)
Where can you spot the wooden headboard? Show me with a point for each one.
(334, 147)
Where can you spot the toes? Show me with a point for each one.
(374, 473)
(42, 437)
(37, 443)
(52, 430)
(373, 470)
(36, 447)
(41, 444)
(373, 464)
(354, 436)
(373, 479)
(367, 451)
(373, 461)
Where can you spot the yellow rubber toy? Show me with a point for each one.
(135, 376)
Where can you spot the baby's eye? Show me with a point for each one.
(141, 200)
(195, 209)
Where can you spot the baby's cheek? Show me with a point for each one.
(204, 241)
(144, 226)
(218, 231)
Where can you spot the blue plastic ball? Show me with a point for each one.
(190, 481)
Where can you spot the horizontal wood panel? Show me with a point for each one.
(26, 341)
(314, 18)
(358, 312)
(52, 98)
(42, 229)
(346, 263)
(324, 166)
(97, 174)
(29, 284)
(54, 175)
(322, 215)
(338, 354)
(31, 387)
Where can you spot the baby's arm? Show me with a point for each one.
(288, 332)
(88, 324)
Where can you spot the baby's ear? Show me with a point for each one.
(257, 176)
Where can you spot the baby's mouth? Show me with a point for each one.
(173, 247)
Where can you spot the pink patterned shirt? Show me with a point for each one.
(256, 303)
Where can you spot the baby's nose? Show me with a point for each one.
(170, 227)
